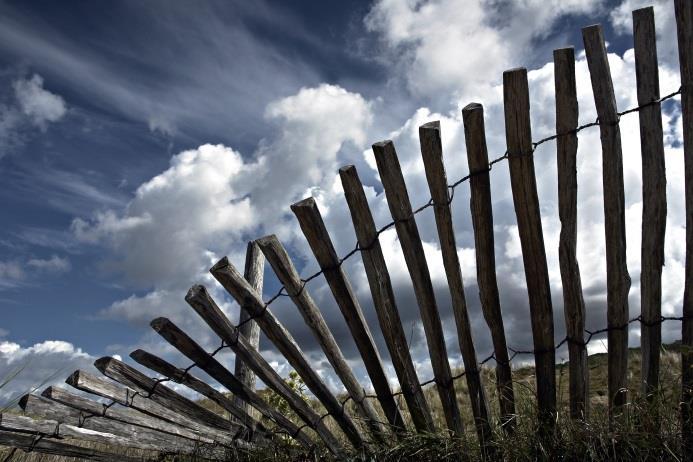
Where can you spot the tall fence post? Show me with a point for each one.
(254, 272)
(482, 221)
(384, 299)
(412, 248)
(524, 189)
(432, 153)
(573, 302)
(684, 25)
(617, 277)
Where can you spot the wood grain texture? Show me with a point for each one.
(57, 447)
(125, 415)
(412, 248)
(518, 135)
(654, 200)
(178, 375)
(318, 238)
(484, 247)
(617, 277)
(684, 27)
(193, 351)
(566, 162)
(254, 273)
(432, 153)
(160, 393)
(384, 299)
(203, 304)
(288, 275)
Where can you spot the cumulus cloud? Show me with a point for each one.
(54, 264)
(37, 103)
(13, 273)
(44, 363)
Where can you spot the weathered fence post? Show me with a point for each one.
(482, 221)
(617, 277)
(684, 25)
(654, 199)
(286, 272)
(254, 272)
(524, 188)
(318, 238)
(432, 153)
(384, 299)
(412, 248)
(573, 302)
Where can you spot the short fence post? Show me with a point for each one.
(524, 189)
(617, 277)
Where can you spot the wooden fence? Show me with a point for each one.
(140, 412)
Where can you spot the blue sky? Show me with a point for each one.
(142, 141)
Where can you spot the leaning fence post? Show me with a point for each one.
(617, 278)
(524, 188)
(684, 25)
(318, 238)
(412, 248)
(432, 154)
(254, 270)
(482, 221)
(384, 299)
(573, 302)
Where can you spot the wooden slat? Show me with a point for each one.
(238, 287)
(156, 391)
(200, 300)
(617, 277)
(48, 445)
(684, 26)
(412, 248)
(55, 429)
(484, 246)
(140, 437)
(524, 188)
(123, 414)
(178, 375)
(384, 300)
(654, 200)
(254, 271)
(192, 350)
(318, 238)
(432, 153)
(566, 162)
(130, 398)
(286, 272)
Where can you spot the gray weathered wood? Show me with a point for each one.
(124, 414)
(654, 200)
(130, 398)
(242, 292)
(566, 162)
(384, 300)
(318, 238)
(200, 300)
(185, 378)
(286, 272)
(518, 135)
(254, 271)
(412, 248)
(482, 222)
(183, 343)
(140, 437)
(50, 445)
(157, 391)
(617, 277)
(684, 27)
(432, 153)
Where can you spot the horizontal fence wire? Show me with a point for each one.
(591, 334)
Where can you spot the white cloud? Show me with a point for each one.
(13, 273)
(37, 103)
(55, 264)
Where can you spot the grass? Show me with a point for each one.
(647, 431)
